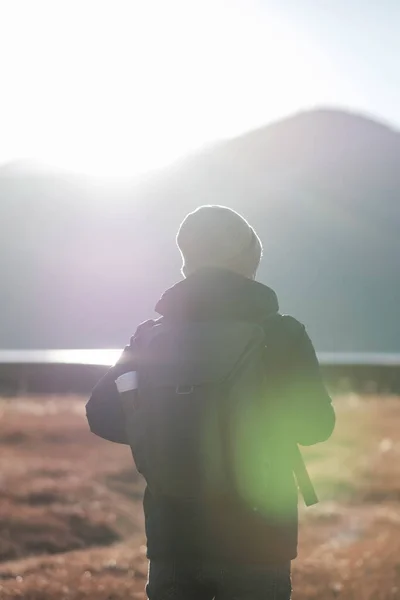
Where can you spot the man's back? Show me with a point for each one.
(229, 532)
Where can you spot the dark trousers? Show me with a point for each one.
(179, 580)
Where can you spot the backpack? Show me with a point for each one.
(197, 410)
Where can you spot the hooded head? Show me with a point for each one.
(216, 236)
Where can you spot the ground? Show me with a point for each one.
(70, 515)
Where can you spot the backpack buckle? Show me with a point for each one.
(184, 389)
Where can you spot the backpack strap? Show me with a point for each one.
(143, 328)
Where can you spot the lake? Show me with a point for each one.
(107, 357)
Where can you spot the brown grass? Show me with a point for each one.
(71, 526)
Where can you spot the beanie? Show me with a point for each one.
(217, 236)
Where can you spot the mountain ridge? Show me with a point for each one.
(83, 263)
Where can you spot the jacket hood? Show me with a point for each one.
(218, 293)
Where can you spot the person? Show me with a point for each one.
(230, 550)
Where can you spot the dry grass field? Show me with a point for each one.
(70, 515)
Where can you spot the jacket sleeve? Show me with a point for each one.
(104, 409)
(311, 414)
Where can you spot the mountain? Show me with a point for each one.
(83, 263)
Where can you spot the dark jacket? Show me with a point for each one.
(303, 415)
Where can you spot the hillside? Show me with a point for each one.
(81, 263)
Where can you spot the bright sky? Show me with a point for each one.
(118, 86)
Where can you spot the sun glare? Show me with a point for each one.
(119, 88)
(126, 160)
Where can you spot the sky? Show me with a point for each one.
(118, 87)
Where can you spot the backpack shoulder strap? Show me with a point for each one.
(142, 329)
(280, 324)
(131, 352)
